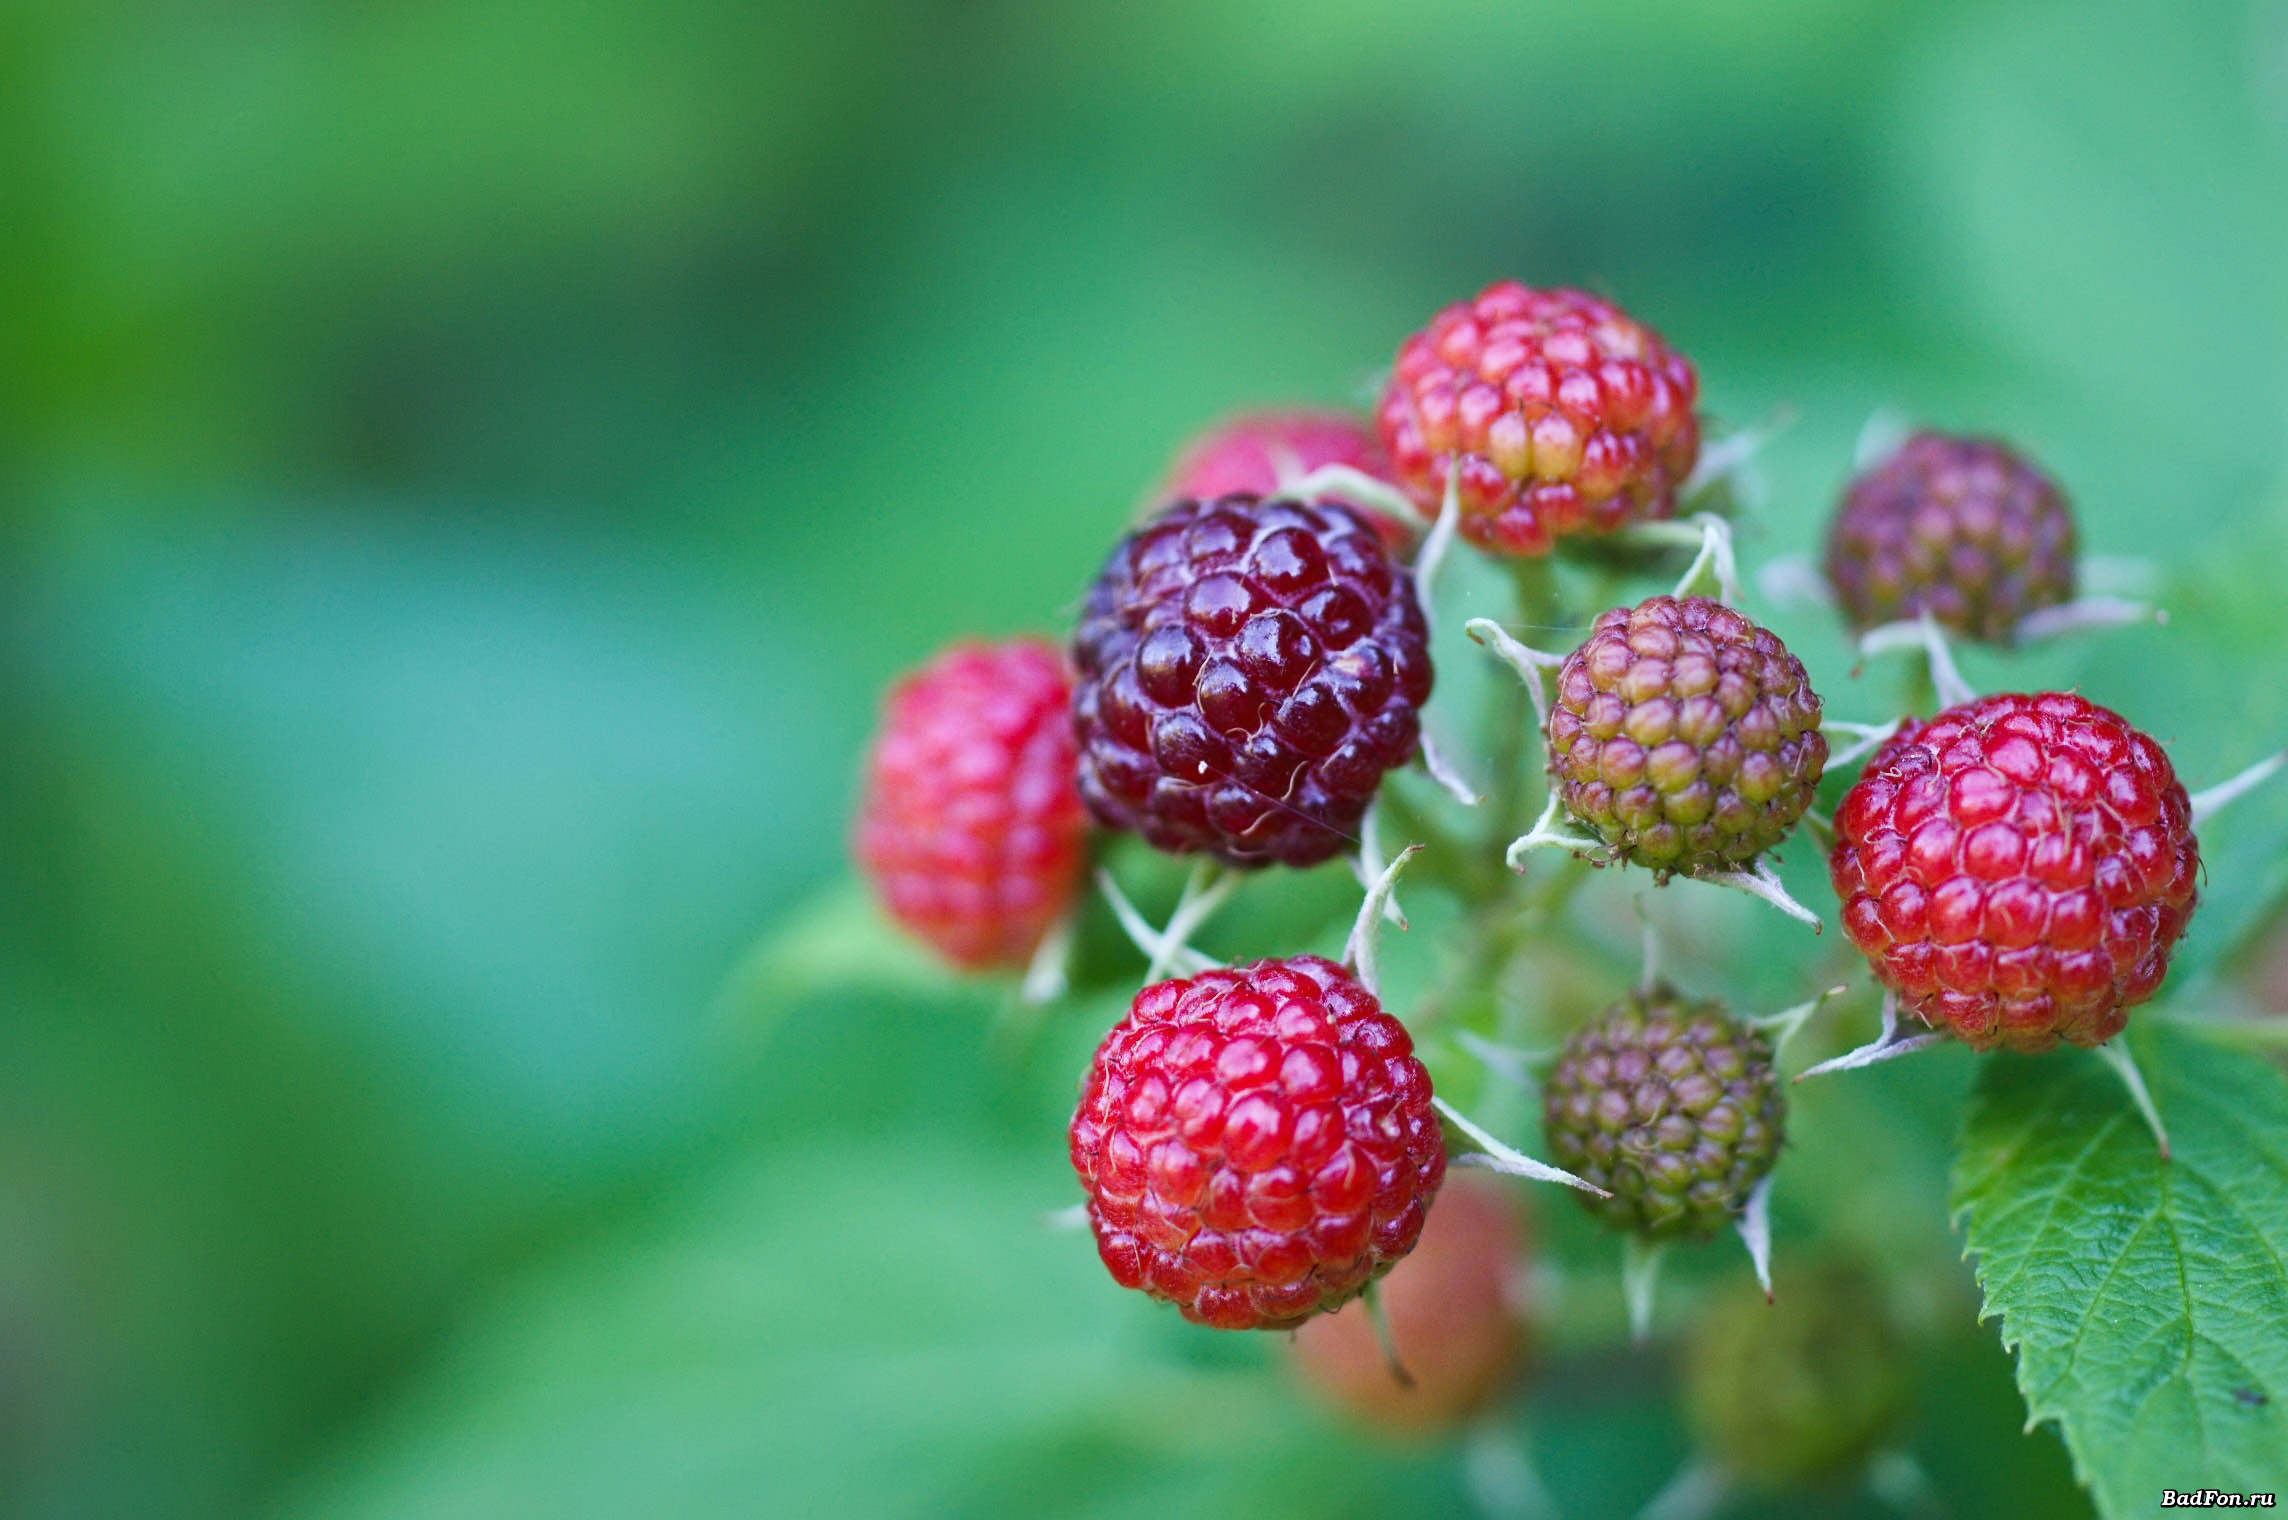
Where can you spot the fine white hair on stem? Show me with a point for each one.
(1755, 1227)
(1640, 1282)
(2209, 801)
(1495, 1156)
(1760, 881)
(1157, 947)
(1364, 951)
(2115, 1053)
(1923, 634)
(1892, 1043)
(1531, 664)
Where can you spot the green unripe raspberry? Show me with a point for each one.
(1685, 735)
(1800, 1388)
(1672, 1107)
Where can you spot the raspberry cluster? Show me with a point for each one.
(1672, 1107)
(1566, 415)
(1685, 736)
(1962, 528)
(2018, 869)
(1249, 670)
(969, 826)
(1257, 1143)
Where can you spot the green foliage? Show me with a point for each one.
(467, 468)
(2146, 1299)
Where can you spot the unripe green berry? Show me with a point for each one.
(1671, 1106)
(1802, 1387)
(1685, 736)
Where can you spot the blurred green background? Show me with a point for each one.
(467, 466)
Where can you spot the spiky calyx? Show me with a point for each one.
(1249, 671)
(1566, 416)
(2018, 869)
(1685, 735)
(1670, 1105)
(1257, 1144)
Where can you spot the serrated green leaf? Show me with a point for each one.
(2145, 1299)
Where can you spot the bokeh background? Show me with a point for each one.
(467, 466)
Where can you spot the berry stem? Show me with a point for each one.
(1892, 1043)
(1924, 634)
(1152, 943)
(1755, 1227)
(1640, 1282)
(1364, 950)
(2208, 802)
(1383, 1340)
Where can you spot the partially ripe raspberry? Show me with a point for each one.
(1249, 669)
(1685, 735)
(1259, 453)
(1671, 1106)
(2018, 869)
(1962, 528)
(1257, 1143)
(1451, 1315)
(970, 828)
(1799, 1388)
(1568, 416)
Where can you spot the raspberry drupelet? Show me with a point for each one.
(1685, 735)
(1672, 1107)
(970, 828)
(1962, 528)
(1257, 1143)
(1249, 670)
(1260, 453)
(2018, 869)
(1567, 415)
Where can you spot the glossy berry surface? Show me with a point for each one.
(1262, 453)
(1249, 669)
(969, 828)
(2018, 869)
(1685, 735)
(1567, 415)
(1671, 1106)
(1452, 1316)
(1963, 528)
(1257, 1143)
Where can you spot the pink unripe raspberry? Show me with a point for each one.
(970, 828)
(1568, 416)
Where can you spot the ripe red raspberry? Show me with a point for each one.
(1257, 1143)
(1963, 528)
(1260, 452)
(2018, 869)
(1569, 416)
(1249, 669)
(1685, 735)
(970, 827)
(1452, 1317)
